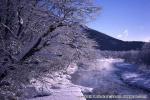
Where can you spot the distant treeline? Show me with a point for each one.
(135, 56)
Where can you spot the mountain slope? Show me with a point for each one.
(106, 42)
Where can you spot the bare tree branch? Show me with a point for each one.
(12, 33)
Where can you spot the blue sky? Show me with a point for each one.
(124, 19)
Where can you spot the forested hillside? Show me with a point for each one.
(106, 42)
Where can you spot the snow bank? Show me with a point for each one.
(58, 88)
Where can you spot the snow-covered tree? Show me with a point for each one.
(38, 36)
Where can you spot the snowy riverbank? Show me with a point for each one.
(99, 77)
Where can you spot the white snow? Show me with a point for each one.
(130, 75)
(60, 88)
(67, 93)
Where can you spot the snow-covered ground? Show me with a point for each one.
(59, 88)
(100, 77)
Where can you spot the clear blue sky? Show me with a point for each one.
(124, 19)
